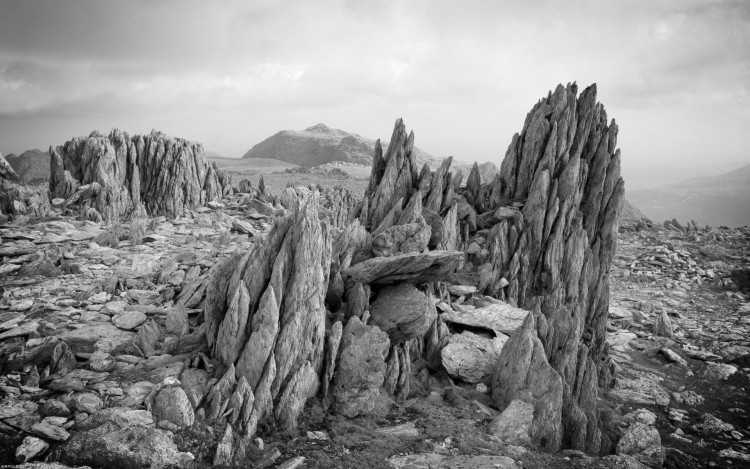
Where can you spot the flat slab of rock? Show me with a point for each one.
(471, 357)
(413, 268)
(129, 320)
(441, 461)
(402, 311)
(96, 336)
(502, 318)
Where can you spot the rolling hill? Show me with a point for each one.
(321, 144)
(722, 200)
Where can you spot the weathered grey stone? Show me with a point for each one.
(194, 383)
(513, 425)
(415, 268)
(172, 404)
(30, 448)
(129, 320)
(361, 369)
(472, 357)
(523, 372)
(402, 311)
(177, 322)
(402, 239)
(644, 443)
(441, 461)
(563, 169)
(166, 175)
(134, 447)
(85, 402)
(275, 333)
(663, 325)
(499, 317)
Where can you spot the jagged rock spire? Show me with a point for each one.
(555, 258)
(164, 174)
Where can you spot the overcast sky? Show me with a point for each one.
(463, 74)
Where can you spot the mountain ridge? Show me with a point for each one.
(320, 144)
(720, 200)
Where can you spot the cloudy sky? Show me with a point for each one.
(463, 74)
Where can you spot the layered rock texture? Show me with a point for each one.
(552, 256)
(6, 171)
(265, 321)
(32, 166)
(18, 199)
(116, 174)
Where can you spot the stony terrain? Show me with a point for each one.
(422, 323)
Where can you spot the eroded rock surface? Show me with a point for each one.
(115, 174)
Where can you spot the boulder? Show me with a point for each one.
(402, 311)
(110, 445)
(472, 357)
(361, 368)
(643, 443)
(663, 325)
(173, 405)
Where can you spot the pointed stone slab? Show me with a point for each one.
(415, 268)
(500, 317)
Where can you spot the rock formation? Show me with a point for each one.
(18, 199)
(553, 257)
(117, 173)
(265, 321)
(6, 171)
(31, 166)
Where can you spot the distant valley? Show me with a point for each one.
(710, 200)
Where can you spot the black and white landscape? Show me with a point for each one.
(419, 234)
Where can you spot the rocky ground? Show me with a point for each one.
(680, 332)
(104, 357)
(429, 324)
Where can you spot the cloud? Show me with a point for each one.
(464, 75)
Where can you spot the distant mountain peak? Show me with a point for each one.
(320, 129)
(320, 144)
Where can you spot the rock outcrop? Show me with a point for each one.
(116, 174)
(31, 166)
(6, 171)
(554, 257)
(266, 322)
(18, 199)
